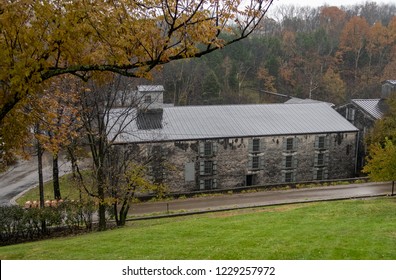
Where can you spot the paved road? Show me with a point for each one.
(23, 176)
(264, 198)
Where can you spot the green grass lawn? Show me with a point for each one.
(353, 229)
(68, 186)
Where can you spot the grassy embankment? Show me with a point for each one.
(355, 229)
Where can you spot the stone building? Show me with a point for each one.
(363, 113)
(208, 147)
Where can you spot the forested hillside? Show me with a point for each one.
(327, 53)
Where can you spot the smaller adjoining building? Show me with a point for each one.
(363, 113)
(219, 147)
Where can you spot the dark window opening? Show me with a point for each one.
(289, 162)
(256, 145)
(288, 177)
(147, 99)
(208, 148)
(320, 159)
(289, 144)
(255, 162)
(208, 167)
(321, 142)
(150, 119)
(251, 180)
(320, 174)
(208, 184)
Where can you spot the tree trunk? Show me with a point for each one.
(102, 215)
(116, 213)
(101, 196)
(41, 181)
(124, 213)
(55, 177)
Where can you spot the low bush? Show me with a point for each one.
(18, 224)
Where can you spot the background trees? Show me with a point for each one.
(326, 53)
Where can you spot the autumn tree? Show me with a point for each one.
(43, 39)
(332, 20)
(127, 172)
(390, 68)
(266, 80)
(56, 112)
(381, 142)
(286, 65)
(384, 127)
(352, 43)
(333, 87)
(377, 42)
(381, 163)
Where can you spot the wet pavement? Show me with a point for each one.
(262, 198)
(23, 176)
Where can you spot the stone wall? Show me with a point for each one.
(364, 123)
(234, 162)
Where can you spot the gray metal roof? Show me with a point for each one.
(229, 121)
(296, 100)
(371, 106)
(393, 82)
(150, 88)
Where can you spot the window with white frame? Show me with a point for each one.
(207, 184)
(322, 142)
(256, 145)
(320, 159)
(255, 162)
(208, 167)
(320, 173)
(290, 144)
(288, 176)
(289, 161)
(207, 148)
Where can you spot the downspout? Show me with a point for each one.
(356, 150)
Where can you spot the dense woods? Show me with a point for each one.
(326, 53)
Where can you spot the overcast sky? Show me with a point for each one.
(316, 3)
